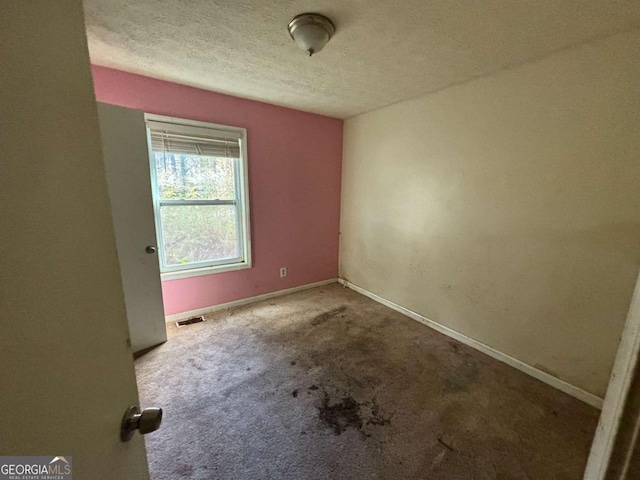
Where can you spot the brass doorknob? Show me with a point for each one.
(146, 421)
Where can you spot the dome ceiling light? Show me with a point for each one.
(311, 31)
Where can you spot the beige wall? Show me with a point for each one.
(507, 208)
(67, 373)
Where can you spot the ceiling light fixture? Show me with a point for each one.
(311, 31)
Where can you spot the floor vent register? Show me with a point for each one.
(189, 321)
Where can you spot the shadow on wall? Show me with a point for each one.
(549, 285)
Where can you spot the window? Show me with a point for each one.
(200, 196)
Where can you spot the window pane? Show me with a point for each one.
(194, 177)
(198, 233)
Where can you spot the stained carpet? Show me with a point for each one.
(328, 384)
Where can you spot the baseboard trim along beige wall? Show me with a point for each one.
(245, 301)
(555, 382)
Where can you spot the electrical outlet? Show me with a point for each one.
(283, 272)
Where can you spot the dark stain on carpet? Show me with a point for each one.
(445, 444)
(328, 315)
(341, 415)
(376, 418)
(184, 470)
(461, 379)
(195, 364)
(348, 413)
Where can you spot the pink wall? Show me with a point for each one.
(295, 161)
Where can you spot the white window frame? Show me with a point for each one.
(242, 206)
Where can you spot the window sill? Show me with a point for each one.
(197, 272)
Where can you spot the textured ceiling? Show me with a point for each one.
(382, 52)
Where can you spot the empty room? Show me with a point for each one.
(321, 240)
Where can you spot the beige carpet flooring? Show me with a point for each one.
(328, 384)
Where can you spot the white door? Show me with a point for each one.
(126, 158)
(67, 374)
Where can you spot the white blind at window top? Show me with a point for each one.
(194, 140)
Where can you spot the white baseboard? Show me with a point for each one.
(555, 382)
(245, 301)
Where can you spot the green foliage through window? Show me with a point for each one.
(194, 177)
(203, 232)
